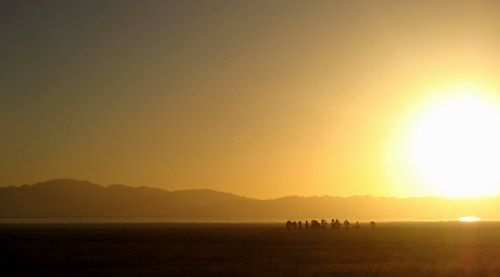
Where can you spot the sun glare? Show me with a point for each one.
(457, 147)
(469, 218)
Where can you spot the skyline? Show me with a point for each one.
(257, 99)
(82, 200)
(70, 181)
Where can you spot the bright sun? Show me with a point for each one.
(457, 147)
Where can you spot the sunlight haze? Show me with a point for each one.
(260, 99)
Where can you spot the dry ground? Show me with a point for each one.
(396, 249)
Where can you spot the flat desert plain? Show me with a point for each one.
(146, 249)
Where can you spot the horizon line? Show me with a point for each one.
(254, 198)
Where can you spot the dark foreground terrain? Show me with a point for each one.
(398, 249)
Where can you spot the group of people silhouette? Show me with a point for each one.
(316, 225)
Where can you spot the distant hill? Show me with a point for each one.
(66, 198)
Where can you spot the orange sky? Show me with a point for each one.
(255, 98)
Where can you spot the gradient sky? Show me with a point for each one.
(259, 98)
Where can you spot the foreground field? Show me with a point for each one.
(398, 249)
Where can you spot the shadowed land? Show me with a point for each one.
(66, 198)
(410, 249)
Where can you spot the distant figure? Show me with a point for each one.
(346, 224)
(332, 224)
(307, 225)
(300, 225)
(372, 224)
(323, 224)
(337, 223)
(288, 225)
(357, 225)
(315, 225)
(294, 225)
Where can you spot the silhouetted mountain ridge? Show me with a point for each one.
(67, 198)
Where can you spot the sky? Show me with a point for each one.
(257, 98)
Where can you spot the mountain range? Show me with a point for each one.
(67, 198)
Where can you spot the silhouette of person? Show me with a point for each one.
(346, 224)
(315, 224)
